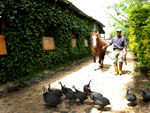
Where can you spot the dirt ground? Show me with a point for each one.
(30, 100)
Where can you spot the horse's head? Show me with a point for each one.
(94, 39)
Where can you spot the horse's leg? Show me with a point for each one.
(103, 55)
(94, 58)
(100, 58)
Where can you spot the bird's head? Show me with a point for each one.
(44, 89)
(128, 88)
(73, 86)
(49, 85)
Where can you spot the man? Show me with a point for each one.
(119, 43)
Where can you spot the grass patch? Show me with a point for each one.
(137, 69)
(138, 79)
(145, 84)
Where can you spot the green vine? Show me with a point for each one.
(26, 22)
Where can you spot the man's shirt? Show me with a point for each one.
(118, 42)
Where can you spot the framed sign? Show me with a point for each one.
(74, 42)
(3, 50)
(85, 43)
(48, 43)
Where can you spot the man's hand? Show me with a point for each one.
(126, 53)
(104, 47)
(125, 50)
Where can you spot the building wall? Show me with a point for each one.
(25, 30)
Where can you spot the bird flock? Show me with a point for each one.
(131, 97)
(52, 97)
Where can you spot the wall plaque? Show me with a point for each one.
(85, 42)
(3, 50)
(74, 42)
(48, 43)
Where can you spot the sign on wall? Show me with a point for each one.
(48, 43)
(3, 50)
(74, 42)
(85, 42)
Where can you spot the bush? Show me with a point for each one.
(140, 35)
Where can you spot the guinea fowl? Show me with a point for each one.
(64, 89)
(87, 88)
(70, 95)
(57, 92)
(130, 96)
(96, 95)
(145, 95)
(102, 102)
(50, 98)
(80, 95)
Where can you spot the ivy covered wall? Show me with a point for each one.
(26, 22)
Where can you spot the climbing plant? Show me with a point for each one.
(26, 22)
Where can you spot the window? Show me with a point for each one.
(74, 40)
(85, 42)
(48, 39)
(0, 25)
(48, 43)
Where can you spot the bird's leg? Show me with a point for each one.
(69, 101)
(92, 104)
(74, 100)
(81, 102)
(102, 108)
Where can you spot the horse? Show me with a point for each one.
(98, 48)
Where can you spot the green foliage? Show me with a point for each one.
(140, 35)
(26, 22)
(134, 3)
(133, 16)
(119, 19)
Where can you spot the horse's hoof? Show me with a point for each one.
(100, 66)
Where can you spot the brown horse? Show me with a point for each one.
(98, 47)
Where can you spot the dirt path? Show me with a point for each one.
(30, 100)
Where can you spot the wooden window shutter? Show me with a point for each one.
(48, 43)
(3, 50)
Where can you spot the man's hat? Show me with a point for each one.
(118, 30)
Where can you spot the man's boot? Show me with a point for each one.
(116, 70)
(120, 68)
